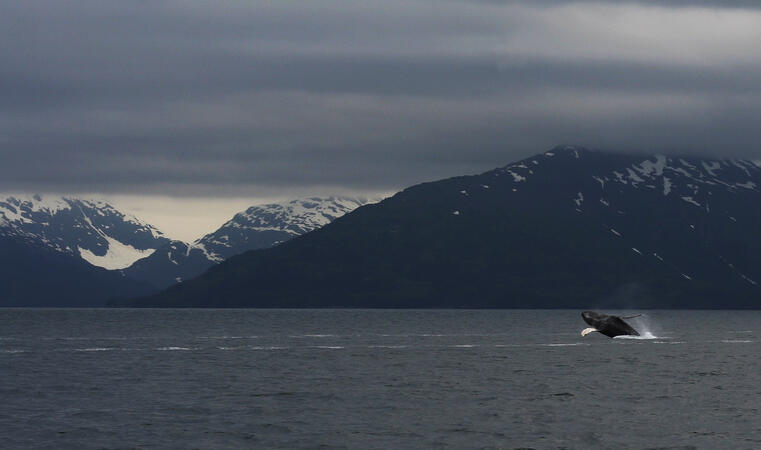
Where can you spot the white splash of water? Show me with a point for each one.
(645, 335)
(646, 328)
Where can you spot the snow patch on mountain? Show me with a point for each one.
(747, 185)
(633, 176)
(517, 178)
(207, 254)
(691, 180)
(34, 203)
(654, 168)
(579, 199)
(666, 186)
(118, 255)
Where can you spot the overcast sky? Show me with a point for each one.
(262, 99)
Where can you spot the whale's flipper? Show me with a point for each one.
(631, 317)
(586, 331)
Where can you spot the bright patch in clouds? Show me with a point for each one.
(637, 33)
(184, 219)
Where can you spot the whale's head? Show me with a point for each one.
(592, 318)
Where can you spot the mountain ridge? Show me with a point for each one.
(259, 226)
(84, 251)
(564, 228)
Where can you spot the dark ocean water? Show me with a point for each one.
(375, 379)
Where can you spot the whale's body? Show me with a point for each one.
(610, 326)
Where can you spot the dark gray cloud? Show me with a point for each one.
(239, 97)
(744, 4)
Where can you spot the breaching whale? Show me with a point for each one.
(610, 326)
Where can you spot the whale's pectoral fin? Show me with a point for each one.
(631, 317)
(586, 331)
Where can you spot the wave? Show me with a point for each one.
(564, 345)
(228, 337)
(437, 334)
(302, 336)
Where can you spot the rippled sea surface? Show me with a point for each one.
(116, 378)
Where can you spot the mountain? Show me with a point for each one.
(257, 227)
(90, 229)
(54, 251)
(32, 275)
(567, 228)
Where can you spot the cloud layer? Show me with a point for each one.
(246, 97)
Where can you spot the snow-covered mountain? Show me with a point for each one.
(567, 228)
(54, 251)
(265, 225)
(91, 229)
(259, 226)
(690, 180)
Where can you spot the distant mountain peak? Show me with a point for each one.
(294, 217)
(90, 228)
(259, 226)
